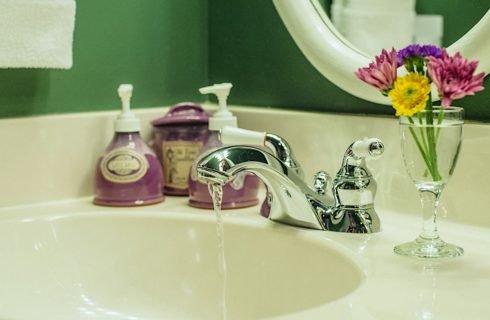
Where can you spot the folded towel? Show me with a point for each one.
(36, 33)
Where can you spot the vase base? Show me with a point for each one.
(429, 249)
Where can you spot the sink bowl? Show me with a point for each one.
(151, 265)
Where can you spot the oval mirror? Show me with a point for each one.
(337, 58)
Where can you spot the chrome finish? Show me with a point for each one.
(283, 152)
(288, 190)
(320, 182)
(292, 201)
(354, 190)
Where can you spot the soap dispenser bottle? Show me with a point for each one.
(128, 173)
(243, 190)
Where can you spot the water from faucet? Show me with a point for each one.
(216, 192)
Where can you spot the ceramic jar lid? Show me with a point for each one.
(183, 113)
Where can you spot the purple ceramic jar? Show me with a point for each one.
(179, 138)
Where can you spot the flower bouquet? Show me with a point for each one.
(430, 135)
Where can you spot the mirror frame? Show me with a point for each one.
(337, 60)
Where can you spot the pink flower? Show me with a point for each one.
(453, 77)
(382, 72)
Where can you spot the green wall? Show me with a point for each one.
(169, 48)
(159, 46)
(250, 47)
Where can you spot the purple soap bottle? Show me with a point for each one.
(243, 190)
(128, 173)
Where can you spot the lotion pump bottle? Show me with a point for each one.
(243, 190)
(128, 173)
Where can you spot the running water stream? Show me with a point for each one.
(216, 192)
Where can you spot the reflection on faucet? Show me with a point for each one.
(292, 201)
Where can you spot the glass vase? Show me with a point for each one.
(431, 141)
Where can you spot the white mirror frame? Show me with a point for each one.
(334, 57)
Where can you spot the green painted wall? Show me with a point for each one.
(250, 47)
(159, 46)
(169, 48)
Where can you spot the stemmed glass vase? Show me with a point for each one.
(431, 141)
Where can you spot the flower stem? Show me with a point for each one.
(440, 118)
(422, 134)
(432, 154)
(424, 140)
(419, 146)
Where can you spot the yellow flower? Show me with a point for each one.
(409, 94)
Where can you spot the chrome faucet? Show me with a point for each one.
(291, 200)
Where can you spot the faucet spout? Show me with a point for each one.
(292, 201)
(210, 175)
(290, 194)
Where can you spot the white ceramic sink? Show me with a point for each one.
(70, 260)
(131, 264)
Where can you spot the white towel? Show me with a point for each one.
(36, 33)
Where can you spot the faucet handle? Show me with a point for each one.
(354, 188)
(320, 182)
(277, 144)
(369, 148)
(354, 164)
(232, 135)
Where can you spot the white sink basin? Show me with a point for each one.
(150, 265)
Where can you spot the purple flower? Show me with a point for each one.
(418, 51)
(453, 77)
(382, 72)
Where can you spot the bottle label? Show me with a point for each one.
(178, 157)
(124, 165)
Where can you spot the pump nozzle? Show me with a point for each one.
(223, 117)
(125, 92)
(126, 121)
